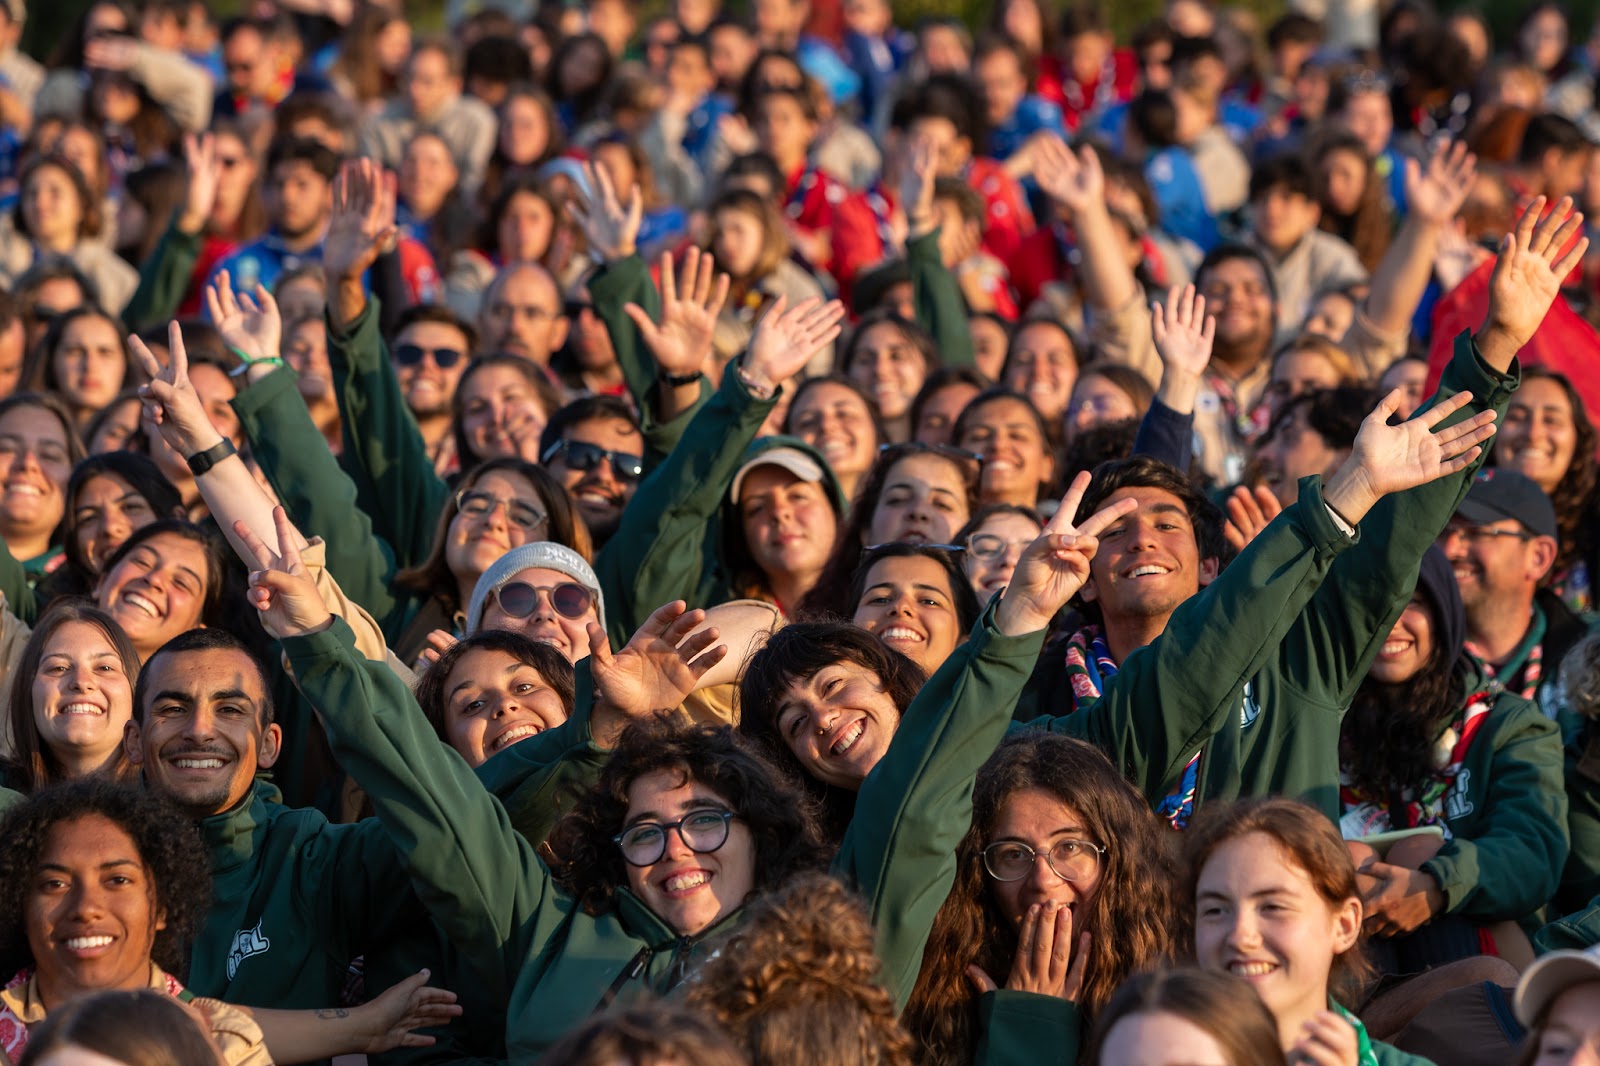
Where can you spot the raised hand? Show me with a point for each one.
(1436, 193)
(282, 589)
(681, 342)
(1045, 963)
(736, 134)
(1074, 182)
(204, 173)
(1249, 512)
(611, 226)
(389, 1019)
(1183, 333)
(1528, 275)
(1393, 458)
(653, 672)
(109, 53)
(253, 326)
(362, 226)
(170, 401)
(1053, 568)
(787, 337)
(917, 179)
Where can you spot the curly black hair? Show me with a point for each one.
(588, 865)
(169, 847)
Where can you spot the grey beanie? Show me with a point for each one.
(540, 555)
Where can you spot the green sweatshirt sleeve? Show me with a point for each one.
(482, 882)
(1160, 708)
(1575, 932)
(656, 555)
(319, 497)
(384, 451)
(1024, 1027)
(916, 804)
(1326, 655)
(20, 599)
(163, 279)
(1507, 863)
(936, 298)
(613, 288)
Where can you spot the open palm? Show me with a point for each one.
(681, 341)
(1531, 267)
(362, 226)
(1074, 182)
(611, 226)
(1395, 458)
(1055, 566)
(787, 337)
(655, 670)
(251, 325)
(1183, 333)
(1436, 192)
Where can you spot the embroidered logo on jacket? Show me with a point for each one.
(1456, 803)
(246, 942)
(1250, 708)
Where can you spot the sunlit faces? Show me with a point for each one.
(90, 911)
(789, 525)
(157, 590)
(1411, 376)
(1149, 561)
(688, 890)
(305, 349)
(1280, 218)
(1002, 81)
(1370, 116)
(601, 491)
(1294, 450)
(427, 175)
(993, 550)
(106, 512)
(51, 208)
(1344, 179)
(1299, 371)
(501, 414)
(202, 739)
(1041, 821)
(1160, 1038)
(116, 431)
(1496, 562)
(1259, 917)
(525, 228)
(907, 602)
(936, 421)
(1538, 437)
(474, 542)
(429, 84)
(1096, 401)
(35, 462)
(82, 696)
(923, 501)
(834, 420)
(89, 364)
(298, 199)
(524, 130)
(545, 624)
(1331, 316)
(13, 346)
(838, 723)
(1409, 646)
(738, 243)
(1042, 366)
(494, 700)
(429, 388)
(889, 368)
(523, 315)
(1239, 296)
(989, 344)
(1017, 458)
(1571, 1034)
(783, 129)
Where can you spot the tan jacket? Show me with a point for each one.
(467, 125)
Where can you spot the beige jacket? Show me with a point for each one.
(467, 125)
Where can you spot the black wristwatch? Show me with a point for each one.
(200, 462)
(677, 381)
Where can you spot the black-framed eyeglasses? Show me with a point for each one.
(1483, 533)
(585, 457)
(988, 546)
(412, 354)
(521, 514)
(520, 599)
(702, 832)
(930, 547)
(1070, 860)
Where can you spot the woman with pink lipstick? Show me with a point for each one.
(1274, 898)
(71, 696)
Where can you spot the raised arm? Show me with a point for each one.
(165, 276)
(1183, 336)
(935, 293)
(916, 804)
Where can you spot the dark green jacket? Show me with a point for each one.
(937, 300)
(1575, 932)
(496, 900)
(1580, 882)
(164, 278)
(9, 799)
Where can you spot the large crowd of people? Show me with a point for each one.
(770, 535)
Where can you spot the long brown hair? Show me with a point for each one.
(1227, 1008)
(774, 235)
(1574, 497)
(34, 766)
(1310, 841)
(1133, 920)
(1368, 228)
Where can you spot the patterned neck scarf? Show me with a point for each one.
(1527, 660)
(14, 1027)
(1363, 814)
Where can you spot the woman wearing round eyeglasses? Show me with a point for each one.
(994, 541)
(1064, 888)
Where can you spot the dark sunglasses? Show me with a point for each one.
(412, 354)
(585, 457)
(520, 599)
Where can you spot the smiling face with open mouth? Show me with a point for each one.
(908, 603)
(495, 701)
(90, 911)
(838, 723)
(1149, 561)
(1409, 647)
(689, 890)
(156, 590)
(82, 695)
(1260, 918)
(35, 462)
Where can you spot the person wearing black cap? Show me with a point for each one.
(1428, 742)
(1501, 544)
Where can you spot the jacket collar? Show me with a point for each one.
(231, 837)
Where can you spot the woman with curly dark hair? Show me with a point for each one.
(1549, 436)
(1106, 884)
(1429, 743)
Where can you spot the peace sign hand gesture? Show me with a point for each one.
(1054, 567)
(283, 589)
(171, 403)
